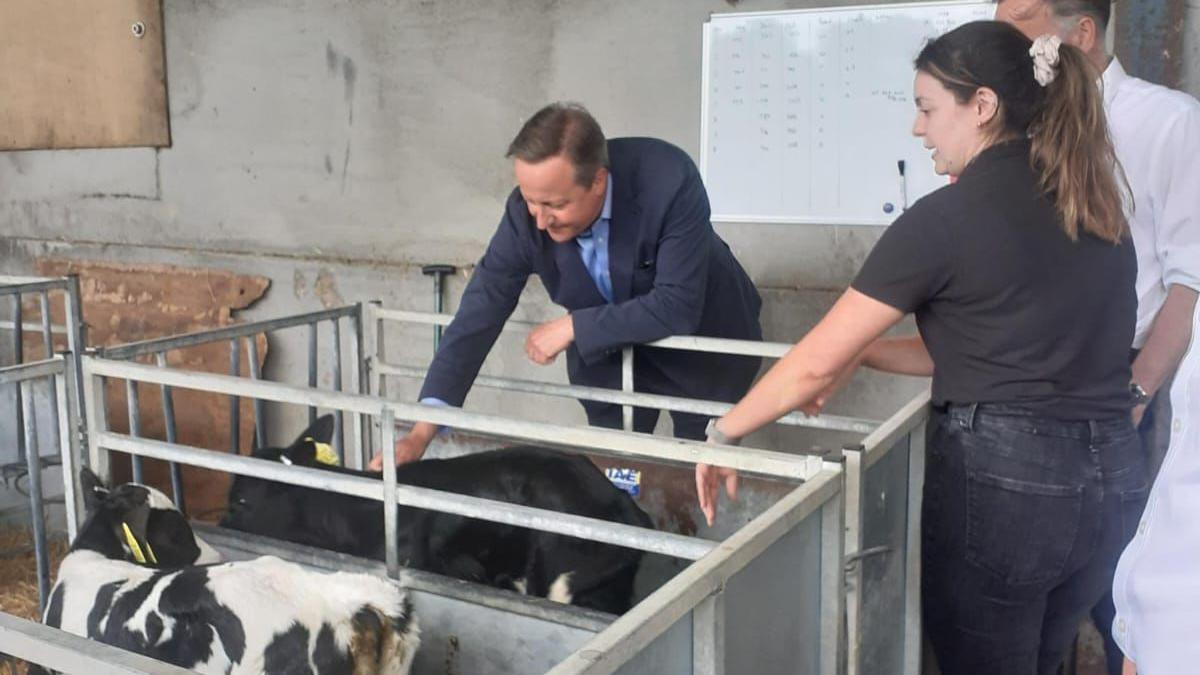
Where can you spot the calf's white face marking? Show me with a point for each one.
(560, 590)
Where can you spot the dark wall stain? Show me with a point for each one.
(331, 57)
(350, 75)
(349, 79)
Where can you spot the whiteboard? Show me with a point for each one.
(805, 114)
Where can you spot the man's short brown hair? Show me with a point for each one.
(566, 129)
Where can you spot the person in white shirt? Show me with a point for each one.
(1157, 586)
(1156, 134)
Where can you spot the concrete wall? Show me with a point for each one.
(337, 146)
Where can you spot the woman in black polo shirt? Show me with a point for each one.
(1021, 277)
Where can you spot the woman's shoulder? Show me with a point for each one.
(931, 211)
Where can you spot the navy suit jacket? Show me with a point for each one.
(671, 275)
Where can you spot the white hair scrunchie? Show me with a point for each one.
(1045, 58)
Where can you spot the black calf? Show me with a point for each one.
(585, 573)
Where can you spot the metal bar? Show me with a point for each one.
(629, 536)
(402, 315)
(674, 403)
(437, 307)
(712, 345)
(708, 635)
(52, 383)
(47, 334)
(589, 439)
(132, 349)
(70, 464)
(387, 427)
(76, 342)
(832, 585)
(61, 651)
(881, 440)
(357, 383)
(854, 477)
(235, 410)
(695, 343)
(31, 371)
(637, 628)
(312, 368)
(135, 426)
(94, 399)
(12, 280)
(627, 387)
(338, 445)
(37, 514)
(18, 357)
(168, 408)
(260, 427)
(29, 325)
(33, 287)
(912, 553)
(372, 353)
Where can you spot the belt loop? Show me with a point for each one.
(972, 411)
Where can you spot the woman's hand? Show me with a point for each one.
(707, 479)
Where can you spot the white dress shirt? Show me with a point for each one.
(1157, 586)
(1156, 133)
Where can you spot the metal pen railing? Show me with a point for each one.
(55, 373)
(379, 366)
(697, 590)
(242, 338)
(903, 431)
(603, 440)
(17, 288)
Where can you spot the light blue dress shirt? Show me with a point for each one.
(593, 247)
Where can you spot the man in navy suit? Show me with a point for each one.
(619, 233)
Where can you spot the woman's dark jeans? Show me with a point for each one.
(1024, 518)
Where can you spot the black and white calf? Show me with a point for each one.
(564, 569)
(130, 580)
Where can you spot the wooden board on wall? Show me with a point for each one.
(73, 74)
(126, 303)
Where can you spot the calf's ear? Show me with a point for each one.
(171, 539)
(302, 453)
(312, 446)
(94, 491)
(320, 431)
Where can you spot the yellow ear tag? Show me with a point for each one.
(134, 548)
(325, 453)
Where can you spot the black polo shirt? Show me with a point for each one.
(1011, 310)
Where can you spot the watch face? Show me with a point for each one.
(1138, 393)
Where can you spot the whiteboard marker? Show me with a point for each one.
(903, 186)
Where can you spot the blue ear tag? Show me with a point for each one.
(627, 480)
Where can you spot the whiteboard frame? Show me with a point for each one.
(706, 46)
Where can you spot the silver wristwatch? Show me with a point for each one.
(714, 434)
(1138, 393)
